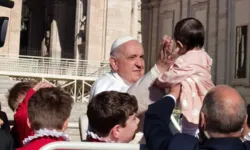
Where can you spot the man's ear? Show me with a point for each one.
(65, 125)
(179, 44)
(115, 132)
(202, 121)
(113, 63)
(245, 122)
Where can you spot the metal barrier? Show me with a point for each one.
(75, 76)
(92, 146)
(52, 66)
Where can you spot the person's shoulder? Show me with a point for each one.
(188, 142)
(2, 113)
(6, 140)
(247, 145)
(4, 133)
(107, 77)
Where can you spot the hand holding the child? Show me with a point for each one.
(175, 91)
(41, 84)
(165, 59)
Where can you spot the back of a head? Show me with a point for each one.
(224, 110)
(108, 109)
(49, 108)
(190, 32)
(17, 91)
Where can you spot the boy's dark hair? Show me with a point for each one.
(17, 90)
(108, 109)
(49, 108)
(190, 32)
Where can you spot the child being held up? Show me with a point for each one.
(191, 69)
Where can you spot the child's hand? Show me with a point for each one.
(165, 59)
(40, 85)
(167, 44)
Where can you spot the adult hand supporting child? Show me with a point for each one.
(175, 90)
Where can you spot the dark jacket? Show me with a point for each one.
(159, 136)
(6, 125)
(7, 142)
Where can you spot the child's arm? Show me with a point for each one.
(20, 129)
(176, 74)
(21, 115)
(22, 108)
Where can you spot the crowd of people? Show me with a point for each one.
(125, 102)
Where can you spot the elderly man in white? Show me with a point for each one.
(127, 64)
(127, 75)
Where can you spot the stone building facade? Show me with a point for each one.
(85, 29)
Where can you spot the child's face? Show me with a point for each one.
(128, 132)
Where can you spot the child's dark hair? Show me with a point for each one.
(49, 108)
(190, 32)
(108, 109)
(18, 89)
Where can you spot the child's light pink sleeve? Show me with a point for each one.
(176, 74)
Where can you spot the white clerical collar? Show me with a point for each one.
(116, 75)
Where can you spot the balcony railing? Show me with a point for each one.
(53, 66)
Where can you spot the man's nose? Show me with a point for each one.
(139, 63)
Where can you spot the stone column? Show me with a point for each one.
(57, 26)
(154, 47)
(222, 48)
(12, 42)
(184, 8)
(80, 28)
(134, 19)
(145, 29)
(119, 19)
(77, 26)
(211, 36)
(95, 30)
(36, 28)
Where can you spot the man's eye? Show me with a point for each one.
(132, 57)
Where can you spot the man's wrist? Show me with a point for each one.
(155, 72)
(172, 96)
(161, 67)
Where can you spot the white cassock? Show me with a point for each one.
(142, 89)
(109, 82)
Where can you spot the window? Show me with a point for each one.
(241, 52)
